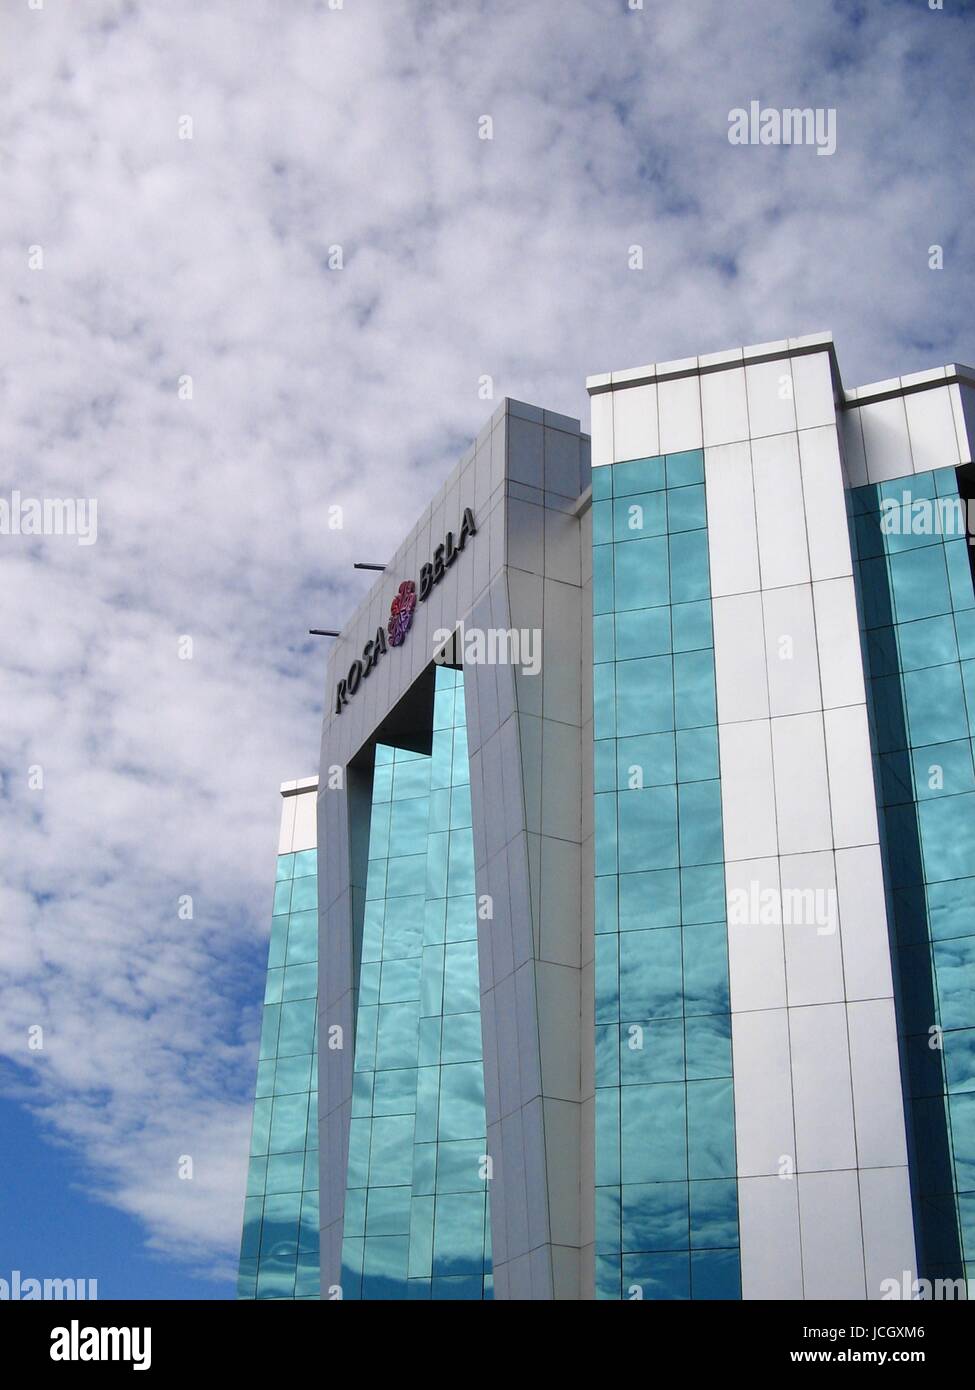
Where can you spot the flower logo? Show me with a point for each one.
(401, 613)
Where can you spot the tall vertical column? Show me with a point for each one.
(520, 576)
(525, 724)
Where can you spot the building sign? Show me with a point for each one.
(402, 609)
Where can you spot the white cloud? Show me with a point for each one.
(207, 257)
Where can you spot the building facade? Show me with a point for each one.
(279, 1245)
(646, 808)
(826, 701)
(492, 1069)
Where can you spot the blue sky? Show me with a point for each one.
(70, 1234)
(210, 263)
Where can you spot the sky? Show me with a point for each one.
(256, 262)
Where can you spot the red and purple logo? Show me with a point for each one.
(401, 613)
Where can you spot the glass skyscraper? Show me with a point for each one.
(646, 842)
(416, 1220)
(279, 1247)
(914, 562)
(666, 1196)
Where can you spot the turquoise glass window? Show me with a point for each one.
(279, 1252)
(916, 586)
(417, 1217)
(666, 1191)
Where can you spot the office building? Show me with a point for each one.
(279, 1246)
(646, 815)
